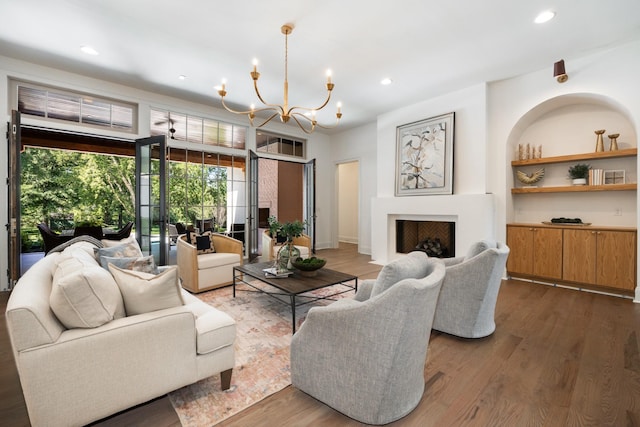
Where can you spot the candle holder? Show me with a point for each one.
(614, 141)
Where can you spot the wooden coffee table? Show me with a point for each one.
(294, 285)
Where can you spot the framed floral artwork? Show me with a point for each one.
(424, 159)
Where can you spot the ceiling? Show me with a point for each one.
(426, 47)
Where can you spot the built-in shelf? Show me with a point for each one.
(629, 152)
(575, 188)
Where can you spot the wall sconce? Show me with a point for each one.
(559, 72)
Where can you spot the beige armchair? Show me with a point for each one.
(206, 271)
(270, 247)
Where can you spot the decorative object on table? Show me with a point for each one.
(579, 173)
(288, 251)
(614, 177)
(599, 140)
(424, 162)
(559, 72)
(309, 266)
(539, 152)
(613, 146)
(563, 220)
(530, 179)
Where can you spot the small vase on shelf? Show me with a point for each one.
(599, 140)
(614, 141)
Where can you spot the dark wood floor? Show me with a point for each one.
(559, 357)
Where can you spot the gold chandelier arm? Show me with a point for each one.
(274, 106)
(270, 118)
(324, 104)
(231, 110)
(312, 122)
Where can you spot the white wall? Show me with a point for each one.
(474, 215)
(318, 144)
(359, 145)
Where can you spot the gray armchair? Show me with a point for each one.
(365, 357)
(469, 292)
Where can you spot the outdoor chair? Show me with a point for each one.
(123, 233)
(468, 297)
(365, 357)
(50, 238)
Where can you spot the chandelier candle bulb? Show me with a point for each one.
(328, 76)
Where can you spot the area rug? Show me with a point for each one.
(262, 355)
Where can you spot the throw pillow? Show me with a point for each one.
(84, 296)
(414, 265)
(202, 242)
(146, 264)
(129, 249)
(144, 292)
(127, 240)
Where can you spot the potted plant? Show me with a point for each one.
(288, 251)
(579, 173)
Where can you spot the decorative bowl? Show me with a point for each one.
(309, 266)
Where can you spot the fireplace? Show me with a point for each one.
(436, 238)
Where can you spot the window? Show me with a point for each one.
(88, 110)
(183, 127)
(278, 144)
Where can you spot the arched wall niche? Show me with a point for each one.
(565, 125)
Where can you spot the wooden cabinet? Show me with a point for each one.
(604, 258)
(598, 257)
(535, 251)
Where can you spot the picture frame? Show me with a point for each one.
(424, 156)
(616, 176)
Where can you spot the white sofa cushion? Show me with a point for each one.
(144, 292)
(216, 260)
(84, 295)
(215, 329)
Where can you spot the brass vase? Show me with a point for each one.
(614, 141)
(599, 140)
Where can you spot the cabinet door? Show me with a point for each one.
(520, 242)
(616, 259)
(547, 252)
(579, 255)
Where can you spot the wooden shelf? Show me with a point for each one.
(575, 188)
(629, 152)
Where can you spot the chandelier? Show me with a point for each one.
(303, 116)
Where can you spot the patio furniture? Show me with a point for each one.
(50, 238)
(123, 233)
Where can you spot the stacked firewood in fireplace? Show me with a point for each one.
(433, 248)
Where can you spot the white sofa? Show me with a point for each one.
(75, 376)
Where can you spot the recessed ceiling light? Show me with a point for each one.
(182, 77)
(88, 50)
(545, 16)
(386, 81)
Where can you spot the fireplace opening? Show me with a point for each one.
(436, 238)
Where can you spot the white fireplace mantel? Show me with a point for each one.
(473, 214)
